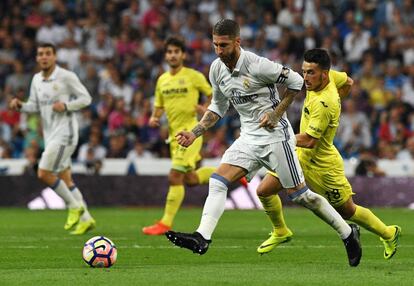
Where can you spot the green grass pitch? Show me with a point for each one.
(35, 250)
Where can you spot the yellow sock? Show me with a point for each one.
(365, 218)
(204, 174)
(172, 205)
(273, 209)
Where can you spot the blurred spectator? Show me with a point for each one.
(139, 152)
(69, 54)
(392, 128)
(117, 117)
(32, 157)
(99, 47)
(49, 32)
(117, 145)
(355, 43)
(367, 166)
(18, 80)
(408, 152)
(354, 130)
(91, 150)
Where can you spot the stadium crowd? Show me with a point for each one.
(116, 48)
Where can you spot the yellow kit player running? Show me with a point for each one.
(321, 162)
(177, 94)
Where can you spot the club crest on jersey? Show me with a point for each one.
(55, 87)
(246, 83)
(181, 81)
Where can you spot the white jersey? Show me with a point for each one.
(251, 88)
(64, 86)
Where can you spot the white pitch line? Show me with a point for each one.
(136, 246)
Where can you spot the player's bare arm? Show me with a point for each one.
(15, 104)
(186, 138)
(344, 90)
(271, 118)
(304, 140)
(155, 117)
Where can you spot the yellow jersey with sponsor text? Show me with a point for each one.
(179, 95)
(320, 119)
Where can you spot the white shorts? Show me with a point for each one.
(279, 157)
(56, 158)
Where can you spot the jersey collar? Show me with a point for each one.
(239, 63)
(53, 76)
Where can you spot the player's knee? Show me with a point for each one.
(306, 198)
(218, 183)
(263, 191)
(41, 175)
(176, 178)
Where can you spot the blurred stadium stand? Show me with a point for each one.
(115, 47)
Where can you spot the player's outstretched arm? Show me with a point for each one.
(185, 138)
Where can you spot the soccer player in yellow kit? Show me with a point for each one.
(177, 94)
(321, 162)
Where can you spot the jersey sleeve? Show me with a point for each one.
(219, 103)
(339, 78)
(158, 102)
(83, 98)
(202, 84)
(270, 73)
(32, 104)
(320, 117)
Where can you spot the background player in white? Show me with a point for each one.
(266, 140)
(56, 93)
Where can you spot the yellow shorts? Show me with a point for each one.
(185, 159)
(331, 184)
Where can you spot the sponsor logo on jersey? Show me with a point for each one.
(175, 91)
(239, 99)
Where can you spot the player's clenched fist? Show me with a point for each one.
(15, 104)
(185, 138)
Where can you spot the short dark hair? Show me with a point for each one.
(318, 56)
(175, 41)
(227, 27)
(47, 45)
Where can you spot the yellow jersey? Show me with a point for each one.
(178, 95)
(320, 119)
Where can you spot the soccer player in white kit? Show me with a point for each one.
(56, 94)
(266, 139)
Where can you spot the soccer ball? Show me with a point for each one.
(99, 251)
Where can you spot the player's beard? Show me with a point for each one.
(229, 59)
(47, 68)
(317, 87)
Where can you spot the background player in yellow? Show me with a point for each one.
(177, 93)
(320, 160)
